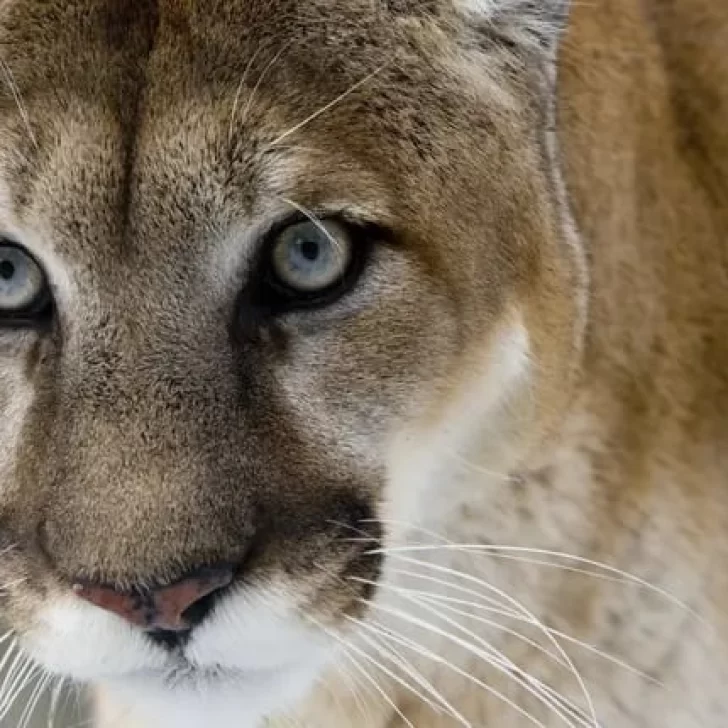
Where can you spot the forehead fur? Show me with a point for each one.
(208, 48)
(144, 72)
(212, 28)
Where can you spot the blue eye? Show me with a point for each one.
(310, 257)
(22, 283)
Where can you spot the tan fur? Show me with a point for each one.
(535, 357)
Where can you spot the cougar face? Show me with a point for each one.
(257, 259)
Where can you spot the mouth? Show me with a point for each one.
(187, 694)
(183, 674)
(183, 679)
(189, 666)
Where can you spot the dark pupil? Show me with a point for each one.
(310, 249)
(7, 270)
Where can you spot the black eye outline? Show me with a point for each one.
(269, 295)
(39, 311)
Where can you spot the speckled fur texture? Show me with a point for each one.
(488, 485)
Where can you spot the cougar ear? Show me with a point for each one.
(526, 23)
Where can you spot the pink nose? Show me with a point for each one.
(175, 608)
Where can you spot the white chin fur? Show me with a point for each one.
(252, 657)
(242, 702)
(83, 642)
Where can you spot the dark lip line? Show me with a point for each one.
(184, 671)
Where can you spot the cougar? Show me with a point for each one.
(364, 363)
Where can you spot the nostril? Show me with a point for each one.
(184, 605)
(172, 609)
(198, 612)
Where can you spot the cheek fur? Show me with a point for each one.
(491, 398)
(16, 398)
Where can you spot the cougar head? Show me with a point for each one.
(264, 265)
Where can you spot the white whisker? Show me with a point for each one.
(347, 647)
(499, 552)
(9, 675)
(438, 659)
(23, 111)
(390, 655)
(475, 468)
(54, 703)
(20, 681)
(363, 535)
(11, 584)
(44, 680)
(268, 68)
(6, 657)
(488, 548)
(333, 694)
(417, 676)
(557, 633)
(355, 689)
(497, 606)
(492, 656)
(389, 673)
(606, 656)
(615, 576)
(561, 567)
(341, 97)
(238, 92)
(427, 626)
(425, 597)
(518, 606)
